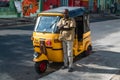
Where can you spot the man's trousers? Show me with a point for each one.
(68, 53)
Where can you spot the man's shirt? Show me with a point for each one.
(68, 28)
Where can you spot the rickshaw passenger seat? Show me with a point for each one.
(79, 30)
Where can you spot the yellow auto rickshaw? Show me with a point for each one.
(47, 46)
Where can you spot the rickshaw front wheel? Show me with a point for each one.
(41, 66)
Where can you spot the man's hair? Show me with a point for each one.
(66, 11)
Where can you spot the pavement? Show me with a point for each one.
(97, 66)
(27, 21)
(103, 17)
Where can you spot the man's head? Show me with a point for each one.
(66, 13)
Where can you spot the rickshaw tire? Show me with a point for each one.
(88, 51)
(41, 66)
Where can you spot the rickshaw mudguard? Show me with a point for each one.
(42, 57)
(87, 40)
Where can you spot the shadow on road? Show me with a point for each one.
(16, 57)
(104, 62)
(16, 53)
(103, 18)
(100, 65)
(16, 60)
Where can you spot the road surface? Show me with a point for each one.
(16, 53)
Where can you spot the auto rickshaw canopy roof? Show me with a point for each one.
(73, 11)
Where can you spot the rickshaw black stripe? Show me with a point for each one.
(36, 46)
(57, 49)
(50, 48)
(54, 48)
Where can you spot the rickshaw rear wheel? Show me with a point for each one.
(88, 51)
(41, 66)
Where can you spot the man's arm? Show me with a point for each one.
(59, 24)
(72, 23)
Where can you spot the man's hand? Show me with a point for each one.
(62, 26)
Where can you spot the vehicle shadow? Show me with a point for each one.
(105, 62)
(99, 65)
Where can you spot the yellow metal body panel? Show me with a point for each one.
(55, 55)
(40, 58)
(54, 51)
(81, 46)
(46, 36)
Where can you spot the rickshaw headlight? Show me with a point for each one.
(36, 55)
(49, 43)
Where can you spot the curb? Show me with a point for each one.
(12, 26)
(92, 16)
(16, 22)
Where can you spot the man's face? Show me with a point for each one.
(66, 15)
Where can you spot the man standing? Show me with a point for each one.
(67, 31)
(51, 6)
(112, 8)
(115, 5)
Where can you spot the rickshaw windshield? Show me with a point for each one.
(47, 24)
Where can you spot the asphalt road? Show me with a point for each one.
(16, 54)
(7, 22)
(16, 48)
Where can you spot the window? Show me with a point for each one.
(47, 24)
(4, 3)
(86, 24)
(79, 27)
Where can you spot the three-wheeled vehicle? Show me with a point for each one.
(47, 46)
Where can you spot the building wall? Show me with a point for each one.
(8, 11)
(90, 4)
(12, 12)
(48, 3)
(30, 7)
(64, 2)
(85, 3)
(103, 5)
(70, 3)
(42, 5)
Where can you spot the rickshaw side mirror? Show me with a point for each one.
(32, 38)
